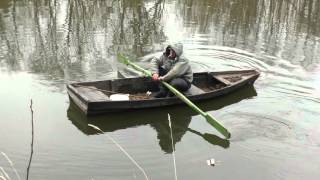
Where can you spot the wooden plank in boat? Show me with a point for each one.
(221, 78)
(194, 90)
(92, 93)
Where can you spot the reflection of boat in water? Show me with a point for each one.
(158, 119)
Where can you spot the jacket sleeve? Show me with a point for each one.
(178, 70)
(155, 63)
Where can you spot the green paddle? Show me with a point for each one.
(208, 117)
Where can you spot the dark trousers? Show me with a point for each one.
(179, 83)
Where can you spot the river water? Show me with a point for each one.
(275, 125)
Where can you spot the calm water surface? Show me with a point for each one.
(275, 125)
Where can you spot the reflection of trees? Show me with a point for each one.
(70, 38)
(138, 26)
(45, 57)
(75, 39)
(10, 40)
(283, 28)
(4, 4)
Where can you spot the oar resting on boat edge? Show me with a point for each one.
(206, 115)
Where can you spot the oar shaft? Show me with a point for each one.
(136, 67)
(208, 117)
(147, 73)
(185, 99)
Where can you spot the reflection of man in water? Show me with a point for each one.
(179, 127)
(180, 124)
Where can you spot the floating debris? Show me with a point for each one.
(211, 162)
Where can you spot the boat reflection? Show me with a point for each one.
(158, 119)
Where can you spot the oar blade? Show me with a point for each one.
(218, 126)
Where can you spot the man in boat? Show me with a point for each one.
(173, 67)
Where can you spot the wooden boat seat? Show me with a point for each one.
(193, 90)
(221, 79)
(92, 94)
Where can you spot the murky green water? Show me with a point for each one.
(275, 125)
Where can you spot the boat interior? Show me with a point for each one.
(142, 87)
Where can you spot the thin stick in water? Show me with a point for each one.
(121, 148)
(32, 137)
(173, 154)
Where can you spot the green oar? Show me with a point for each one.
(208, 117)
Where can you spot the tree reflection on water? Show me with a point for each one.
(71, 39)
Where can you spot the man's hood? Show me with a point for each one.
(178, 48)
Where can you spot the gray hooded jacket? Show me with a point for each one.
(179, 67)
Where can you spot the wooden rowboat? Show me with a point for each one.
(94, 97)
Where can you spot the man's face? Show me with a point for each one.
(172, 54)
